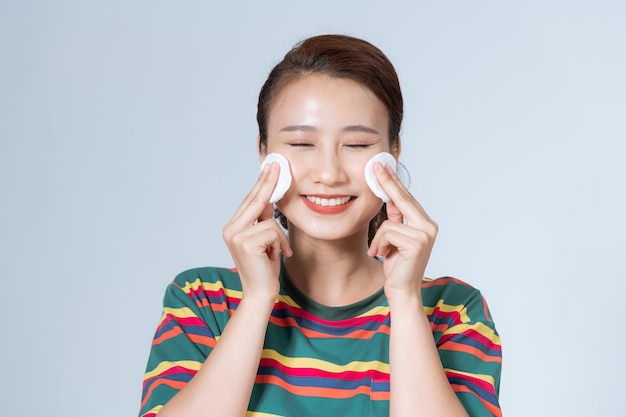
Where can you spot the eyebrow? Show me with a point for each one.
(309, 128)
(360, 128)
(298, 128)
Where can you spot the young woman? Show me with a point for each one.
(335, 319)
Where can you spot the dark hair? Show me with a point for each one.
(342, 57)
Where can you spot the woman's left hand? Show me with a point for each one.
(405, 240)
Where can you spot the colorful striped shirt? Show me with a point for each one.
(319, 360)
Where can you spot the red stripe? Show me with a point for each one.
(494, 410)
(171, 371)
(187, 321)
(356, 334)
(312, 391)
(473, 380)
(177, 385)
(458, 347)
(352, 322)
(473, 334)
(319, 373)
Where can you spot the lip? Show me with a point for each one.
(327, 209)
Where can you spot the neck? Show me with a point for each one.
(333, 272)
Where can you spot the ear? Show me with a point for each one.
(398, 149)
(262, 149)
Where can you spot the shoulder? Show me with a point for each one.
(454, 294)
(207, 275)
(208, 293)
(204, 281)
(450, 288)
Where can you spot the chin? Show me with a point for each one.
(329, 230)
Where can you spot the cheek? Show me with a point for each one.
(357, 173)
(298, 173)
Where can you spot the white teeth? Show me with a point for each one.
(325, 202)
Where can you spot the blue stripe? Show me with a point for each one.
(309, 381)
(476, 389)
(334, 330)
(470, 341)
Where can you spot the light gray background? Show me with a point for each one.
(127, 140)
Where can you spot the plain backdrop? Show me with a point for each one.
(128, 139)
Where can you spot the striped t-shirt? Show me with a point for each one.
(319, 360)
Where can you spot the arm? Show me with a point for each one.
(419, 383)
(468, 345)
(196, 314)
(223, 384)
(464, 363)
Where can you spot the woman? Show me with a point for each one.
(336, 319)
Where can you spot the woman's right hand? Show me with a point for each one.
(255, 240)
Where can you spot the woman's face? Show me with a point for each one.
(328, 128)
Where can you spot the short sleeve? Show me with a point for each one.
(185, 336)
(469, 347)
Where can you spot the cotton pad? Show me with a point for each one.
(284, 177)
(385, 159)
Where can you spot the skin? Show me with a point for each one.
(328, 128)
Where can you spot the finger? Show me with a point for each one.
(271, 242)
(404, 201)
(406, 239)
(262, 178)
(284, 245)
(380, 244)
(274, 251)
(281, 242)
(262, 238)
(257, 201)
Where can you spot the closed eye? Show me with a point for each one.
(302, 144)
(358, 145)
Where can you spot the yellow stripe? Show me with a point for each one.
(155, 410)
(376, 311)
(183, 312)
(287, 300)
(448, 308)
(210, 286)
(191, 286)
(356, 366)
(257, 414)
(165, 365)
(481, 328)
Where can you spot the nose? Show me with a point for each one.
(328, 169)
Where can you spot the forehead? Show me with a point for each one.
(326, 102)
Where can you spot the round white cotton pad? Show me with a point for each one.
(385, 159)
(284, 177)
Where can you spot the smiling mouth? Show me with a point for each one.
(328, 202)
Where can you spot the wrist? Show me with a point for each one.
(409, 297)
(404, 301)
(260, 301)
